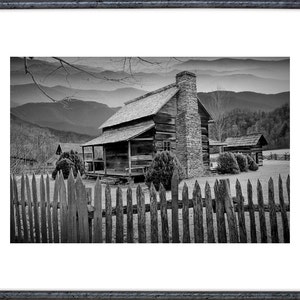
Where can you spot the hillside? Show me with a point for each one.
(78, 116)
(246, 100)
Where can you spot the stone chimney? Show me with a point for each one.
(188, 125)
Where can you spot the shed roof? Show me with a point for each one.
(146, 105)
(215, 143)
(67, 147)
(246, 140)
(124, 133)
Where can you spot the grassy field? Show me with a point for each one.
(269, 169)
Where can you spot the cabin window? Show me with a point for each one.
(166, 146)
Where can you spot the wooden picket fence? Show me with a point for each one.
(72, 217)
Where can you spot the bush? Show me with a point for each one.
(66, 161)
(162, 168)
(227, 164)
(242, 161)
(252, 165)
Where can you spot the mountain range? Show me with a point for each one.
(85, 117)
(112, 82)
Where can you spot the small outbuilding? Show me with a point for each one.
(251, 144)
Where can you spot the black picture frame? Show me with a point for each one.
(37, 4)
(147, 295)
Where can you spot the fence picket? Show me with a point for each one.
(48, 200)
(285, 222)
(241, 213)
(261, 212)
(209, 215)
(141, 215)
(29, 209)
(35, 210)
(153, 214)
(185, 215)
(224, 192)
(12, 213)
(23, 210)
(221, 227)
(198, 214)
(82, 210)
(251, 213)
(174, 192)
(63, 209)
(119, 215)
(43, 210)
(97, 238)
(72, 210)
(164, 214)
(55, 211)
(129, 216)
(17, 211)
(273, 217)
(288, 187)
(108, 215)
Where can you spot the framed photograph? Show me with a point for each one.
(142, 140)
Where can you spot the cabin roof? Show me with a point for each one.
(144, 106)
(215, 143)
(124, 133)
(246, 140)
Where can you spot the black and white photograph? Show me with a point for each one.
(150, 149)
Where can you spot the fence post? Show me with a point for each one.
(72, 209)
(251, 213)
(185, 215)
(23, 210)
(241, 212)
(49, 209)
(63, 209)
(108, 215)
(35, 210)
(153, 214)
(97, 238)
(12, 213)
(285, 223)
(82, 210)
(55, 209)
(43, 210)
(224, 193)
(141, 215)
(273, 217)
(288, 187)
(261, 211)
(174, 193)
(220, 214)
(129, 216)
(198, 214)
(119, 215)
(209, 215)
(164, 214)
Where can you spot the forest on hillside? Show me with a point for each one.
(29, 141)
(274, 125)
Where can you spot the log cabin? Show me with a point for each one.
(251, 144)
(171, 118)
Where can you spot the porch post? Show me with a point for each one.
(83, 154)
(93, 153)
(129, 157)
(104, 159)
